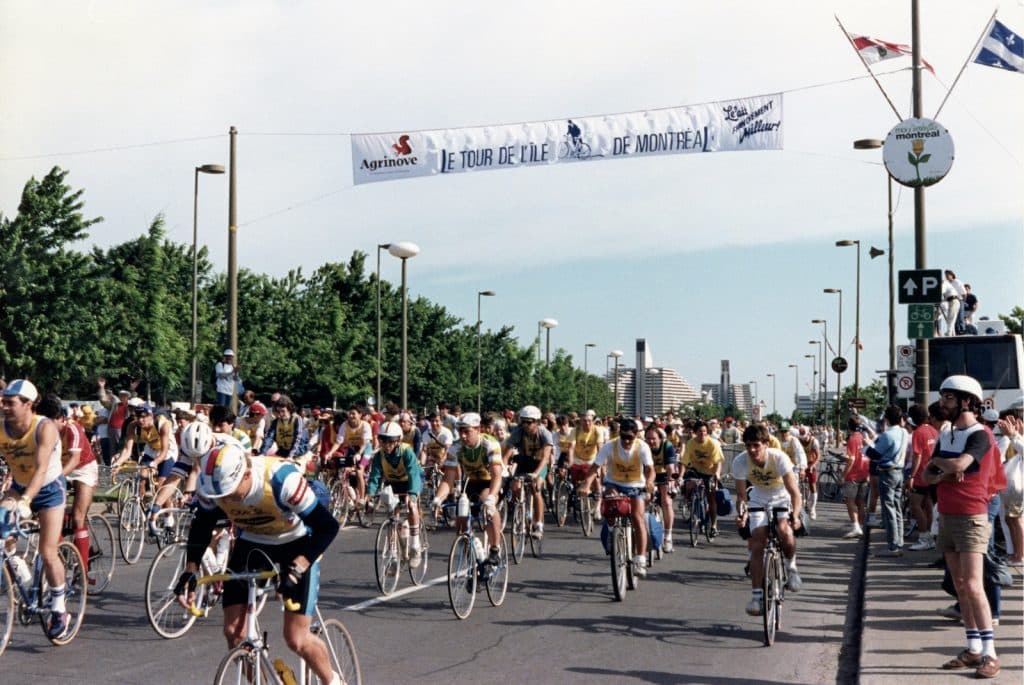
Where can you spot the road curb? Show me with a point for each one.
(848, 672)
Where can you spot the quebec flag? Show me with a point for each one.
(1001, 48)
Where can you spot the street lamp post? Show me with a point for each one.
(204, 169)
(772, 376)
(547, 324)
(615, 354)
(586, 373)
(754, 399)
(379, 399)
(839, 353)
(233, 259)
(814, 377)
(824, 370)
(856, 330)
(479, 348)
(874, 144)
(817, 380)
(404, 251)
(796, 385)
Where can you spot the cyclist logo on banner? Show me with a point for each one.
(573, 146)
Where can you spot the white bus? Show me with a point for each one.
(996, 361)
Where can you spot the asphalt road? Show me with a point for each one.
(560, 622)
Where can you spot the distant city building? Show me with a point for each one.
(812, 405)
(649, 390)
(736, 395)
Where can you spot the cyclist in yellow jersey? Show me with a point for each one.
(159, 453)
(435, 442)
(587, 439)
(773, 479)
(286, 433)
(31, 446)
(354, 438)
(395, 464)
(703, 460)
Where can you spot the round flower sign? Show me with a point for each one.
(918, 152)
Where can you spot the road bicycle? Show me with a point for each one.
(522, 521)
(344, 501)
(468, 565)
(775, 576)
(102, 555)
(830, 479)
(699, 517)
(24, 590)
(617, 510)
(251, 663)
(569, 500)
(576, 150)
(392, 548)
(133, 531)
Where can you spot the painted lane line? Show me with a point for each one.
(401, 593)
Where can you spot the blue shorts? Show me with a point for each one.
(53, 494)
(632, 493)
(163, 470)
(181, 469)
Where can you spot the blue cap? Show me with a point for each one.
(22, 388)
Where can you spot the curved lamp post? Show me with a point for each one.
(479, 349)
(404, 251)
(204, 169)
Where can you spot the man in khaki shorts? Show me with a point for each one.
(963, 467)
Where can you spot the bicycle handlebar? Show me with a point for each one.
(247, 576)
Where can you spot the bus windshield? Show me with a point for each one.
(991, 359)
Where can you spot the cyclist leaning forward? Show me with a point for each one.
(629, 471)
(666, 469)
(702, 460)
(395, 464)
(479, 456)
(586, 440)
(31, 446)
(774, 481)
(280, 518)
(530, 447)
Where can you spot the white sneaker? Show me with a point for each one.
(667, 547)
(854, 532)
(794, 583)
(538, 531)
(640, 565)
(754, 606)
(597, 512)
(415, 558)
(814, 513)
(923, 544)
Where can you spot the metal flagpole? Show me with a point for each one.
(871, 73)
(970, 57)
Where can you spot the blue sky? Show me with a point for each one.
(708, 257)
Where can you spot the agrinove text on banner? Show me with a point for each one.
(753, 123)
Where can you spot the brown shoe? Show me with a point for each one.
(989, 667)
(965, 659)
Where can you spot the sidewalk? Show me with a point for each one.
(905, 640)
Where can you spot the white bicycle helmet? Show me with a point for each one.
(964, 384)
(390, 429)
(221, 470)
(530, 412)
(196, 439)
(469, 420)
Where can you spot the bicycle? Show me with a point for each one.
(577, 150)
(522, 521)
(699, 519)
(134, 524)
(775, 577)
(100, 567)
(466, 566)
(830, 479)
(344, 502)
(250, 661)
(24, 590)
(617, 510)
(392, 547)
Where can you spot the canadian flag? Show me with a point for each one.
(874, 50)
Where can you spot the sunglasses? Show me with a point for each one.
(628, 436)
(526, 422)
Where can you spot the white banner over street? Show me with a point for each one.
(753, 123)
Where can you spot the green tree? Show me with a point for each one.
(1014, 320)
(873, 393)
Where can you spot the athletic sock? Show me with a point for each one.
(82, 545)
(988, 641)
(973, 640)
(57, 600)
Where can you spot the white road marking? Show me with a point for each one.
(401, 593)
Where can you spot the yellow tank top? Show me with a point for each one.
(474, 460)
(20, 453)
(766, 476)
(264, 517)
(409, 438)
(284, 433)
(396, 472)
(629, 470)
(353, 436)
(659, 458)
(436, 450)
(586, 445)
(150, 437)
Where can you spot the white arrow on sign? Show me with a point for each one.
(910, 287)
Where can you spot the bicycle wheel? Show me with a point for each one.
(131, 536)
(563, 492)
(583, 152)
(518, 531)
(497, 584)
(340, 648)
(462, 576)
(620, 560)
(696, 514)
(632, 579)
(685, 509)
(416, 575)
(536, 543)
(168, 618)
(240, 666)
(386, 560)
(503, 513)
(770, 587)
(339, 502)
(124, 493)
(587, 515)
(75, 598)
(7, 608)
(101, 554)
(705, 516)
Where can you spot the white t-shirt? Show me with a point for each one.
(609, 448)
(767, 480)
(102, 430)
(225, 377)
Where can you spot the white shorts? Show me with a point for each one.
(759, 519)
(86, 475)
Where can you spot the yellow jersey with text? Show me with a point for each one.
(20, 453)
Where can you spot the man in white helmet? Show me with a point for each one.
(395, 464)
(530, 448)
(280, 517)
(963, 467)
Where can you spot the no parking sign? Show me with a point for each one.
(904, 385)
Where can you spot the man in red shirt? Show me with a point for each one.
(963, 467)
(922, 495)
(855, 478)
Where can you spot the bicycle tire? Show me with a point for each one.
(7, 607)
(101, 554)
(587, 515)
(240, 664)
(339, 502)
(563, 492)
(518, 531)
(695, 517)
(169, 619)
(769, 588)
(416, 575)
(341, 649)
(632, 577)
(503, 513)
(619, 560)
(497, 584)
(462, 576)
(584, 152)
(132, 533)
(75, 596)
(386, 559)
(124, 493)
